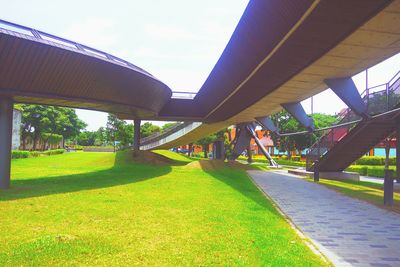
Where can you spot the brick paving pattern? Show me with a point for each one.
(348, 231)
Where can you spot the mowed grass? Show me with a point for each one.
(104, 209)
(366, 191)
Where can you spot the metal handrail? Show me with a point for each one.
(159, 135)
(327, 143)
(394, 79)
(37, 34)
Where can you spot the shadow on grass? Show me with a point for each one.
(237, 179)
(124, 171)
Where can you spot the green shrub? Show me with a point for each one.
(362, 170)
(35, 154)
(76, 147)
(374, 161)
(20, 154)
(291, 163)
(296, 158)
(53, 152)
(197, 155)
(377, 171)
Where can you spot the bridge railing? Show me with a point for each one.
(171, 135)
(40, 35)
(160, 135)
(378, 99)
(183, 95)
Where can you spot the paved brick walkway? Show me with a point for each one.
(348, 231)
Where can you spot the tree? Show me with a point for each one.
(38, 120)
(206, 141)
(288, 124)
(148, 129)
(118, 130)
(167, 125)
(87, 138)
(101, 136)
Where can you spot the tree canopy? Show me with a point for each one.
(148, 129)
(39, 120)
(288, 124)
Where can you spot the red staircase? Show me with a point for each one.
(341, 146)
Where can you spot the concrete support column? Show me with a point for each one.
(398, 154)
(388, 188)
(190, 149)
(316, 171)
(218, 150)
(249, 154)
(6, 121)
(136, 137)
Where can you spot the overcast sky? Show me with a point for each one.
(178, 41)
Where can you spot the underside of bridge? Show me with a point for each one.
(280, 53)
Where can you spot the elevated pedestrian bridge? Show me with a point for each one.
(280, 53)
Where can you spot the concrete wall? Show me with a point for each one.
(16, 132)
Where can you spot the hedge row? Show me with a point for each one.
(374, 161)
(376, 171)
(22, 154)
(285, 157)
(279, 160)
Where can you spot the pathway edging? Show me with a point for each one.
(348, 231)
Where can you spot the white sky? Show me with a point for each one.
(178, 41)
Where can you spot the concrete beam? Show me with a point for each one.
(347, 91)
(267, 124)
(297, 111)
(6, 122)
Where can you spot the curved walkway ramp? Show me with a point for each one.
(180, 134)
(348, 231)
(37, 67)
(40, 68)
(282, 52)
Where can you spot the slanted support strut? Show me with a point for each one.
(267, 124)
(298, 112)
(347, 91)
(6, 122)
(241, 141)
(252, 132)
(136, 137)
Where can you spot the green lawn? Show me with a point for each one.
(104, 209)
(366, 191)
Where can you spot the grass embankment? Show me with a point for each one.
(366, 191)
(106, 209)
